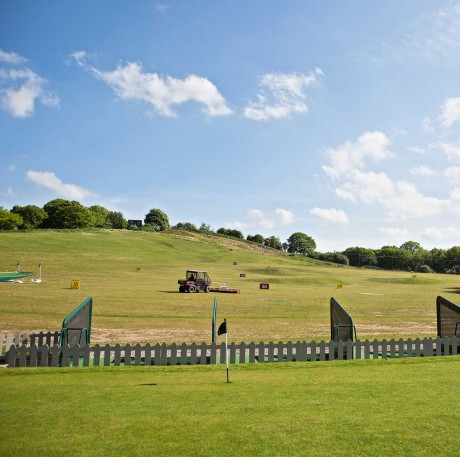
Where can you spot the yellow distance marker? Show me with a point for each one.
(75, 284)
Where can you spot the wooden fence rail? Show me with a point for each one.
(193, 354)
(28, 339)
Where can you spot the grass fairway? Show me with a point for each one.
(132, 277)
(362, 408)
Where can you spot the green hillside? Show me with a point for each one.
(132, 277)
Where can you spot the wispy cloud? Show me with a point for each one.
(450, 111)
(10, 193)
(50, 181)
(432, 35)
(11, 58)
(453, 175)
(401, 199)
(423, 170)
(331, 214)
(441, 233)
(395, 231)
(451, 151)
(20, 89)
(162, 93)
(258, 219)
(162, 8)
(282, 95)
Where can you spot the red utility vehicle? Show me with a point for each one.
(196, 281)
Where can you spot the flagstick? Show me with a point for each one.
(226, 356)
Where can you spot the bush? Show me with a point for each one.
(425, 269)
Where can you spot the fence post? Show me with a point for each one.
(261, 347)
(147, 355)
(183, 354)
(44, 350)
(203, 353)
(223, 354)
(107, 354)
(313, 351)
(242, 352)
(375, 349)
(12, 356)
(280, 351)
(213, 358)
(384, 349)
(331, 346)
(252, 352)
(33, 356)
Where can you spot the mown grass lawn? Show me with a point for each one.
(360, 408)
(132, 277)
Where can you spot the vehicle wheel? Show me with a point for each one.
(191, 289)
(181, 289)
(206, 289)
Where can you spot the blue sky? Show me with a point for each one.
(337, 119)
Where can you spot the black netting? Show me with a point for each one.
(342, 327)
(448, 316)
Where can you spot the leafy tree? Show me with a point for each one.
(32, 215)
(411, 246)
(393, 258)
(187, 226)
(157, 219)
(8, 220)
(358, 256)
(51, 209)
(438, 260)
(453, 258)
(273, 242)
(231, 232)
(117, 221)
(101, 216)
(334, 257)
(205, 227)
(256, 238)
(301, 243)
(75, 215)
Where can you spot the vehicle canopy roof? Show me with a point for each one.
(198, 274)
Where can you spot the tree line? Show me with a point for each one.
(65, 214)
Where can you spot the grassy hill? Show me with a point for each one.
(132, 277)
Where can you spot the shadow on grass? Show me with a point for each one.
(149, 384)
(453, 290)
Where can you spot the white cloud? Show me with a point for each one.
(453, 175)
(400, 199)
(11, 58)
(417, 150)
(423, 170)
(333, 215)
(162, 93)
(162, 8)
(452, 152)
(258, 219)
(395, 231)
(351, 156)
(10, 193)
(283, 94)
(450, 111)
(427, 125)
(19, 91)
(50, 181)
(441, 233)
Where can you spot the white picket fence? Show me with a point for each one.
(192, 354)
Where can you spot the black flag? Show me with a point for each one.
(222, 330)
